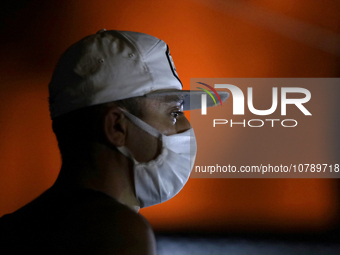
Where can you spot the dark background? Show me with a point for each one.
(254, 38)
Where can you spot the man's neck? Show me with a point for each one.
(105, 170)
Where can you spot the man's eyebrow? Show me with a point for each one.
(174, 99)
(168, 99)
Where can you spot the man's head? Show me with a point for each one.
(117, 93)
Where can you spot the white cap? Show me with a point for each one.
(114, 65)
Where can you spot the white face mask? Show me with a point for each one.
(161, 179)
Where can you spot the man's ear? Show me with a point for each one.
(115, 124)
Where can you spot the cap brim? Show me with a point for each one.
(192, 98)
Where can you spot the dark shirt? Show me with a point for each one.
(82, 221)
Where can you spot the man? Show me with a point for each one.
(117, 109)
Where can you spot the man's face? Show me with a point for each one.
(164, 113)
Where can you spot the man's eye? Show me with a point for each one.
(176, 114)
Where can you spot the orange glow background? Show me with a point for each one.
(254, 38)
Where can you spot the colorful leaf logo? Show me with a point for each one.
(208, 92)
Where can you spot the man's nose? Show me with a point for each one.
(182, 125)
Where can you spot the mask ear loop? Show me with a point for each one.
(139, 123)
(142, 125)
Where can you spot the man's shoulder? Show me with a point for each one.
(121, 229)
(85, 221)
(85, 205)
(112, 226)
(104, 209)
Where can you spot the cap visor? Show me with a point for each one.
(192, 98)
